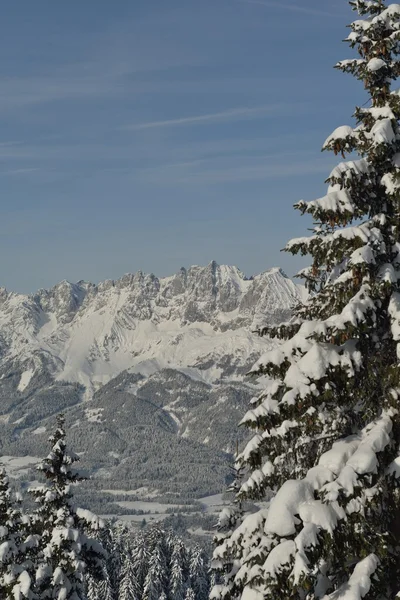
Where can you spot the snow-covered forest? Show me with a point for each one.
(150, 564)
(60, 551)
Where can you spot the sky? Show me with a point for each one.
(149, 135)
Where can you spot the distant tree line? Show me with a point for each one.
(150, 564)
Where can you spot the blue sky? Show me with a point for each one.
(145, 134)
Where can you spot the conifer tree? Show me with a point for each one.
(198, 573)
(327, 428)
(128, 587)
(224, 563)
(155, 581)
(67, 546)
(15, 543)
(178, 570)
(103, 589)
(140, 559)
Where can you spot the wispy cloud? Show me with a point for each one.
(8, 144)
(19, 92)
(292, 7)
(226, 115)
(235, 169)
(19, 171)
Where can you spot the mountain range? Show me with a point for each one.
(149, 371)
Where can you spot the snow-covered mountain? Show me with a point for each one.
(174, 342)
(89, 333)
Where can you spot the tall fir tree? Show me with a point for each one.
(327, 428)
(179, 571)
(140, 558)
(102, 589)
(128, 587)
(67, 547)
(198, 573)
(156, 578)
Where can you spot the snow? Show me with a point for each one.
(359, 583)
(94, 415)
(297, 498)
(141, 492)
(281, 518)
(252, 594)
(336, 458)
(25, 380)
(39, 430)
(213, 504)
(279, 556)
(338, 201)
(16, 466)
(364, 255)
(394, 467)
(345, 170)
(382, 132)
(382, 112)
(366, 232)
(390, 182)
(22, 588)
(340, 133)
(151, 507)
(374, 440)
(394, 312)
(375, 64)
(143, 324)
(356, 455)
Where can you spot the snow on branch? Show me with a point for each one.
(359, 583)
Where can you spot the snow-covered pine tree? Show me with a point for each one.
(225, 563)
(156, 580)
(15, 543)
(102, 589)
(118, 549)
(179, 570)
(198, 573)
(140, 559)
(67, 548)
(128, 587)
(327, 427)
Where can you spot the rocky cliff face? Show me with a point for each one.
(175, 349)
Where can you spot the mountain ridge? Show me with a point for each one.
(92, 332)
(149, 372)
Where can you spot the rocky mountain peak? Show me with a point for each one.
(89, 333)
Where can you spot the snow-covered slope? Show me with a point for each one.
(148, 371)
(90, 333)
